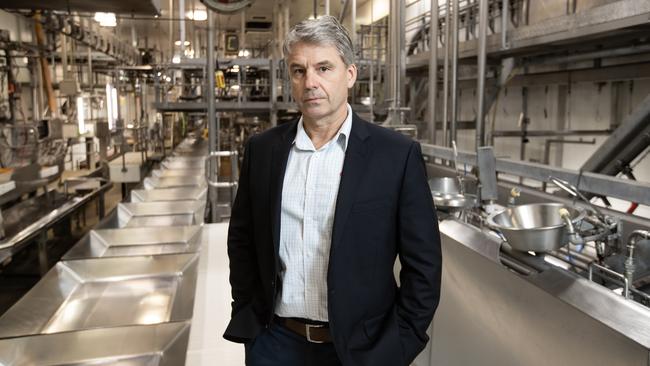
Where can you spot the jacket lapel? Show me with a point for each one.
(354, 168)
(279, 157)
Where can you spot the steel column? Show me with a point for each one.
(454, 72)
(480, 85)
(433, 69)
(445, 87)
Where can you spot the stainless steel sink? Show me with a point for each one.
(166, 173)
(106, 292)
(145, 345)
(174, 182)
(169, 194)
(136, 241)
(146, 214)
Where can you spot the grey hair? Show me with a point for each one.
(324, 30)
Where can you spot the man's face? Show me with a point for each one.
(320, 81)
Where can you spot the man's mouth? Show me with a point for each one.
(311, 99)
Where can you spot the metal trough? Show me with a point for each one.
(106, 292)
(166, 173)
(150, 345)
(169, 194)
(174, 182)
(137, 241)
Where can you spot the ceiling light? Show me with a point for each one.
(106, 19)
(178, 43)
(197, 14)
(176, 59)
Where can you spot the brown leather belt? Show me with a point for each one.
(314, 333)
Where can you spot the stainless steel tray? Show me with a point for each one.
(106, 292)
(147, 214)
(183, 164)
(174, 182)
(169, 194)
(151, 345)
(137, 241)
(166, 173)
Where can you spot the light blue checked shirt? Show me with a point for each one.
(311, 185)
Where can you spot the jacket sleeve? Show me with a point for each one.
(242, 254)
(419, 254)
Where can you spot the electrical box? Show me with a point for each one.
(69, 87)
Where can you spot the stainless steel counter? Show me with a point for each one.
(491, 315)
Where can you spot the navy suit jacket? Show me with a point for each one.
(384, 208)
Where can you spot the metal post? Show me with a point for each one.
(171, 29)
(274, 93)
(315, 9)
(353, 30)
(480, 84)
(372, 62)
(454, 72)
(504, 23)
(433, 69)
(445, 83)
(327, 7)
(181, 25)
(212, 122)
(242, 33)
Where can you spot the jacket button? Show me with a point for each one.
(272, 283)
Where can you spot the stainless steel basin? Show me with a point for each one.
(447, 194)
(183, 164)
(166, 173)
(146, 214)
(150, 345)
(534, 227)
(136, 241)
(169, 194)
(106, 292)
(174, 182)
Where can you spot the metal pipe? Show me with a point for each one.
(242, 31)
(181, 24)
(327, 7)
(171, 29)
(353, 31)
(454, 73)
(504, 23)
(445, 86)
(315, 9)
(211, 81)
(480, 84)
(433, 69)
(372, 62)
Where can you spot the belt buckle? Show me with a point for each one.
(308, 333)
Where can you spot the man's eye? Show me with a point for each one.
(298, 71)
(324, 68)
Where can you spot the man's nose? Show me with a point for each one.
(311, 79)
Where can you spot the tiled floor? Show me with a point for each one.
(212, 306)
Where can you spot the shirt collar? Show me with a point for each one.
(303, 142)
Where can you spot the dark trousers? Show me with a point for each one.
(278, 346)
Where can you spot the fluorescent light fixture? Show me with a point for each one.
(129, 125)
(106, 19)
(81, 123)
(197, 14)
(176, 59)
(244, 53)
(178, 43)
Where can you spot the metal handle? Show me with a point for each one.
(626, 289)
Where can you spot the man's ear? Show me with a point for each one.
(352, 75)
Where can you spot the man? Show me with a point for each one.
(325, 204)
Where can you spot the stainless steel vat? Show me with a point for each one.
(151, 345)
(534, 227)
(145, 214)
(136, 241)
(169, 194)
(174, 182)
(106, 292)
(166, 173)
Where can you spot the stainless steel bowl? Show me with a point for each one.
(446, 194)
(534, 227)
(444, 185)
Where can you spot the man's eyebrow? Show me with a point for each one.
(294, 64)
(325, 63)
